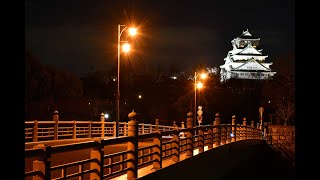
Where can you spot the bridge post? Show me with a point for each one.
(223, 135)
(175, 138)
(56, 122)
(182, 127)
(233, 128)
(97, 152)
(43, 163)
(189, 134)
(114, 127)
(74, 129)
(157, 124)
(142, 128)
(210, 137)
(125, 129)
(90, 127)
(201, 140)
(132, 164)
(35, 131)
(157, 157)
(217, 130)
(102, 125)
(228, 140)
(252, 129)
(244, 122)
(252, 123)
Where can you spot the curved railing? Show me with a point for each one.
(106, 166)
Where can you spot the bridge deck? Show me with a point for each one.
(239, 160)
(165, 163)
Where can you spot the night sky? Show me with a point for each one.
(79, 35)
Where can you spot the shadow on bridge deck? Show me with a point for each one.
(249, 159)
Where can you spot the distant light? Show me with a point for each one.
(232, 135)
(174, 77)
(125, 102)
(114, 79)
(140, 96)
(89, 103)
(106, 116)
(268, 101)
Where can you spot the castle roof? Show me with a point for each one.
(249, 50)
(252, 64)
(247, 35)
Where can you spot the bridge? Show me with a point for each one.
(90, 150)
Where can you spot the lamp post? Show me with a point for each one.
(126, 48)
(199, 86)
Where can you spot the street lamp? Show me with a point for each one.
(126, 48)
(198, 85)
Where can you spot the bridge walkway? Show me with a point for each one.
(165, 163)
(239, 160)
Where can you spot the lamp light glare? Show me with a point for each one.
(132, 31)
(126, 47)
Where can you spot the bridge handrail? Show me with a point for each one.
(34, 130)
(162, 148)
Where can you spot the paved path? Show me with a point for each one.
(247, 161)
(239, 161)
(165, 163)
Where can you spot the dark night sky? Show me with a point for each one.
(79, 34)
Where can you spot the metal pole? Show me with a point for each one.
(195, 99)
(118, 87)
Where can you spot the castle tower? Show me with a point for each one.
(245, 61)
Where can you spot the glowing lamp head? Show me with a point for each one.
(199, 85)
(203, 76)
(126, 47)
(132, 31)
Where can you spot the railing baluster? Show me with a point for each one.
(81, 171)
(64, 172)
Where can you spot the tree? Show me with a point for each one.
(285, 111)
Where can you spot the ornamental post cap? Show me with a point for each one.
(189, 114)
(217, 115)
(132, 114)
(261, 109)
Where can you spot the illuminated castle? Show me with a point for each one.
(245, 61)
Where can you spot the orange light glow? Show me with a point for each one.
(126, 47)
(199, 85)
(132, 31)
(203, 76)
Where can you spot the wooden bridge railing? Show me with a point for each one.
(56, 130)
(106, 166)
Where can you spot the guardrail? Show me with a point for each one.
(54, 130)
(106, 166)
